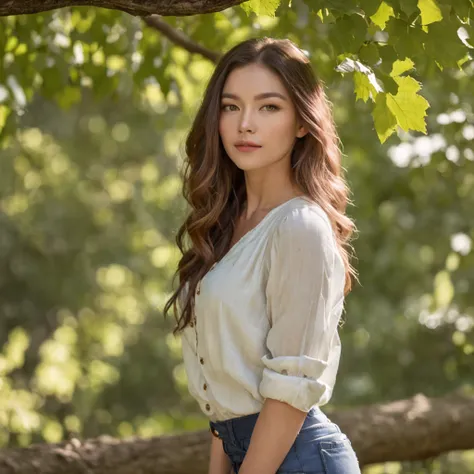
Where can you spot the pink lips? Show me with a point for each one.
(247, 148)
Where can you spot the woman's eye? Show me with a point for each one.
(226, 107)
(233, 107)
(271, 107)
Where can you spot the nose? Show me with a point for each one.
(247, 122)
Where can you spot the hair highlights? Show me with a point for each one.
(215, 188)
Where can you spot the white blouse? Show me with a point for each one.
(266, 317)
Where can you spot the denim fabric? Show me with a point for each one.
(319, 448)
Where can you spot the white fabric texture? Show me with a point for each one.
(266, 317)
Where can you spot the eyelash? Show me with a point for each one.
(275, 107)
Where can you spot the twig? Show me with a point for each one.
(179, 38)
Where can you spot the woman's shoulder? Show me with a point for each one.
(304, 216)
(303, 228)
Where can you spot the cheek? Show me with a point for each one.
(282, 128)
(223, 128)
(283, 121)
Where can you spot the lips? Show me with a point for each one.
(247, 143)
(247, 147)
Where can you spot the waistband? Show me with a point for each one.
(241, 427)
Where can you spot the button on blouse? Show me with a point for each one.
(267, 315)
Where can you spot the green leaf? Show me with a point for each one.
(462, 8)
(408, 6)
(261, 7)
(369, 54)
(443, 43)
(348, 33)
(430, 11)
(314, 5)
(388, 56)
(411, 44)
(384, 120)
(370, 6)
(349, 65)
(408, 40)
(343, 6)
(407, 106)
(362, 86)
(389, 84)
(247, 7)
(399, 67)
(382, 15)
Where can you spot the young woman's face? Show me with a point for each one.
(256, 107)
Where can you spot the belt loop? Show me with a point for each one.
(213, 430)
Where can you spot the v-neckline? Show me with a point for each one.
(253, 229)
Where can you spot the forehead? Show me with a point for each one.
(252, 80)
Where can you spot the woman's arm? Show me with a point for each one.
(304, 295)
(219, 462)
(274, 433)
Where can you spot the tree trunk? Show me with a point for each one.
(417, 428)
(134, 7)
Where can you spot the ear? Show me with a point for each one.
(301, 131)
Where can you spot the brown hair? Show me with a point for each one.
(215, 187)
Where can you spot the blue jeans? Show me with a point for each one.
(319, 448)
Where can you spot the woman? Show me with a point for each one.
(263, 281)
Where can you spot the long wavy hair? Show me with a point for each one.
(214, 186)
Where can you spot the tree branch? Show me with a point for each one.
(134, 7)
(179, 38)
(416, 428)
(413, 429)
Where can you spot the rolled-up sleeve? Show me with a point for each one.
(304, 296)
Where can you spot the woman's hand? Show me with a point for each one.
(277, 427)
(219, 463)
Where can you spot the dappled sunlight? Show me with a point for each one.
(95, 107)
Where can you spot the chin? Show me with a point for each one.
(248, 166)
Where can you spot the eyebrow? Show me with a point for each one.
(265, 95)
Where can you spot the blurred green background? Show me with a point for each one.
(94, 110)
